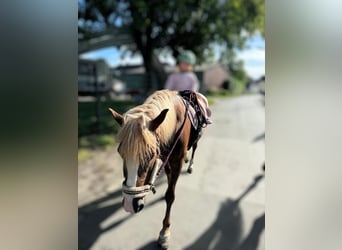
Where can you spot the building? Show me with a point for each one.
(94, 77)
(215, 76)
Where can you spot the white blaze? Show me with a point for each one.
(132, 173)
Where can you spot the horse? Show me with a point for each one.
(156, 136)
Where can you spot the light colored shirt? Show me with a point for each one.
(182, 81)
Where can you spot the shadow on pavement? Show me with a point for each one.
(225, 232)
(153, 245)
(91, 216)
(260, 137)
(251, 242)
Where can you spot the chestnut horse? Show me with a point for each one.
(154, 136)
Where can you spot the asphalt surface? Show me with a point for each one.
(221, 205)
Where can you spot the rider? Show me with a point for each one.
(185, 78)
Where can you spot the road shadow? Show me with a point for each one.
(251, 242)
(260, 137)
(91, 216)
(153, 245)
(226, 232)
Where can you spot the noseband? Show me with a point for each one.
(142, 191)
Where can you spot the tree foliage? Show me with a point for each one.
(174, 24)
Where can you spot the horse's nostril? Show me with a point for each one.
(140, 207)
(138, 204)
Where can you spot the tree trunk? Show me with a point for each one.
(159, 72)
(147, 57)
(154, 70)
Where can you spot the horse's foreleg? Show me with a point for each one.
(164, 235)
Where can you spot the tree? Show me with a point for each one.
(229, 60)
(173, 25)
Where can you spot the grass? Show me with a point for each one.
(88, 123)
(86, 144)
(83, 154)
(219, 93)
(238, 88)
(98, 134)
(96, 141)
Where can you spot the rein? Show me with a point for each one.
(139, 192)
(174, 144)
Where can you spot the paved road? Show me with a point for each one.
(219, 206)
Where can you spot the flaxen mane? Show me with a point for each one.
(137, 141)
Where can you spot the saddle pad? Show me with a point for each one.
(199, 112)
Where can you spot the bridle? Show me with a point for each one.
(159, 165)
(139, 192)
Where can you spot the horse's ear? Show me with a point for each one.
(117, 116)
(154, 124)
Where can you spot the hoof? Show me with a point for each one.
(189, 170)
(164, 240)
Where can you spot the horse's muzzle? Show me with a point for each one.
(134, 205)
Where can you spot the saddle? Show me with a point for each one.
(198, 113)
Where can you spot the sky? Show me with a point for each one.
(253, 57)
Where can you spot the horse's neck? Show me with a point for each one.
(169, 127)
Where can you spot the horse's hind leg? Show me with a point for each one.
(186, 159)
(194, 147)
(172, 174)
